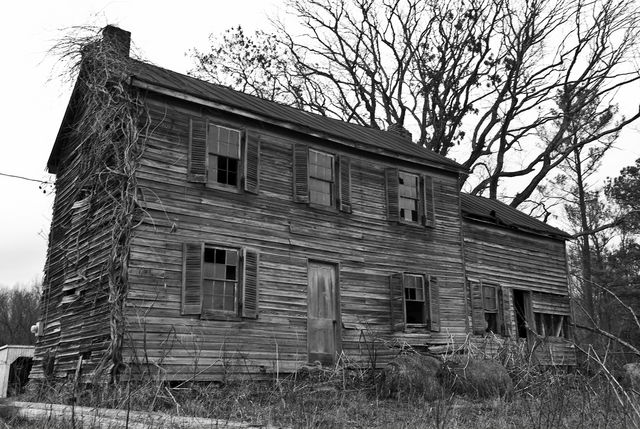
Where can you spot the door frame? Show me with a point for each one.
(337, 330)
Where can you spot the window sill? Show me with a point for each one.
(221, 317)
(222, 187)
(329, 209)
(416, 327)
(412, 224)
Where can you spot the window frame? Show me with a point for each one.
(540, 325)
(426, 215)
(210, 154)
(402, 175)
(332, 182)
(247, 163)
(246, 288)
(477, 298)
(340, 186)
(431, 304)
(496, 311)
(425, 300)
(237, 281)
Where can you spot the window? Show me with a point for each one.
(219, 282)
(487, 308)
(410, 198)
(223, 147)
(219, 157)
(321, 178)
(414, 301)
(551, 325)
(490, 307)
(220, 279)
(408, 189)
(550, 315)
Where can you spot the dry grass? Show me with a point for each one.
(340, 398)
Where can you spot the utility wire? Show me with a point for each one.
(46, 182)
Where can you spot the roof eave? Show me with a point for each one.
(552, 233)
(54, 156)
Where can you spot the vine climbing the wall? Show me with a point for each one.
(107, 125)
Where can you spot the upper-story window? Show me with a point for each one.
(321, 178)
(408, 193)
(223, 146)
(219, 156)
(410, 198)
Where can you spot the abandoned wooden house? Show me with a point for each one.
(205, 232)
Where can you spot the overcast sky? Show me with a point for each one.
(33, 105)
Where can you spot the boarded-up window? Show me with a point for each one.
(217, 157)
(414, 301)
(410, 198)
(219, 281)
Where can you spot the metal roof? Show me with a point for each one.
(493, 211)
(365, 138)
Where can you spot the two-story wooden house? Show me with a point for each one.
(252, 237)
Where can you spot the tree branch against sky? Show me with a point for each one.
(497, 84)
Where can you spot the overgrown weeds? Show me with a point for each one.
(344, 397)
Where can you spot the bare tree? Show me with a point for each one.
(18, 312)
(477, 79)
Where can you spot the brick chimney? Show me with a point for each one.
(398, 129)
(118, 38)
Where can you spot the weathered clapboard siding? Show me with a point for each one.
(364, 244)
(516, 260)
(74, 311)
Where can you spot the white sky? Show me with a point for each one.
(32, 108)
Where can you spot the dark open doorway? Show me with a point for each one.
(522, 307)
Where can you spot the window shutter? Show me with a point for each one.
(506, 312)
(252, 162)
(250, 287)
(192, 278)
(393, 203)
(428, 204)
(300, 173)
(197, 165)
(344, 184)
(434, 303)
(477, 309)
(396, 289)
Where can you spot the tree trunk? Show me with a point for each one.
(587, 270)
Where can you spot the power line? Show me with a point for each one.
(46, 182)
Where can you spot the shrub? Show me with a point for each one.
(411, 375)
(477, 378)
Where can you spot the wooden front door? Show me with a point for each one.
(323, 316)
